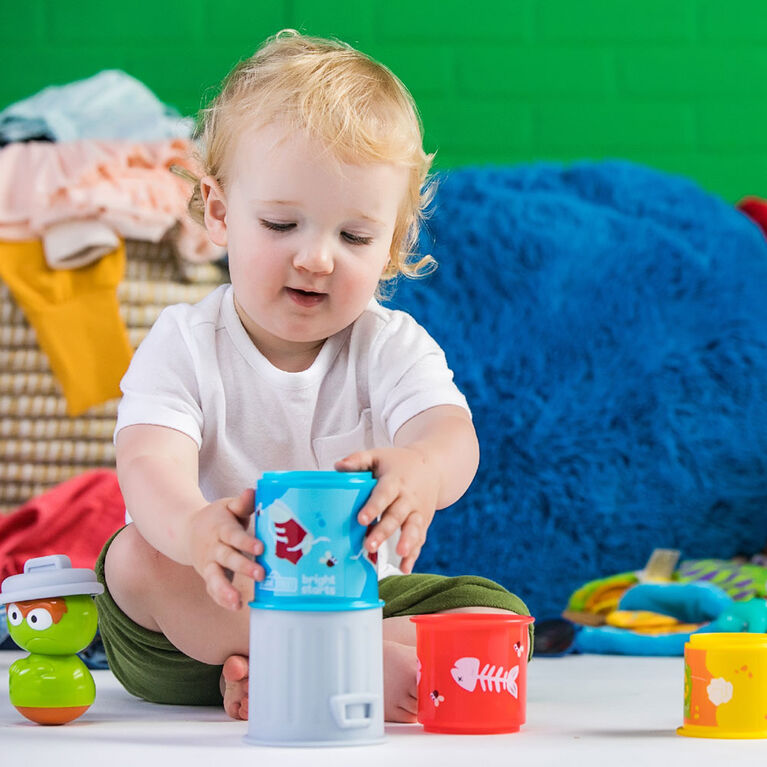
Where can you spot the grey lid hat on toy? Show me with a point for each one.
(51, 576)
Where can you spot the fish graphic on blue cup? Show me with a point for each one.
(314, 555)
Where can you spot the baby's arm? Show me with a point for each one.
(433, 461)
(158, 474)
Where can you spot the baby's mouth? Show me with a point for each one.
(305, 297)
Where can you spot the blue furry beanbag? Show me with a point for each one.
(608, 324)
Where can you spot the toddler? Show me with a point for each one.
(314, 181)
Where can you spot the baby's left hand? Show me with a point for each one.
(405, 496)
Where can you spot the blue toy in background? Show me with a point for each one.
(4, 644)
(696, 603)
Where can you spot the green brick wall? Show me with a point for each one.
(677, 84)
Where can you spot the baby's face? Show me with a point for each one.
(308, 237)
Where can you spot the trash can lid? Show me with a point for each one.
(51, 576)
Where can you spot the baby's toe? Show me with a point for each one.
(236, 700)
(234, 686)
(235, 668)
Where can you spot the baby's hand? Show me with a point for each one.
(219, 542)
(405, 496)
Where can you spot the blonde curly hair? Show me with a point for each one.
(355, 105)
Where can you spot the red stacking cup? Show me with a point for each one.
(472, 671)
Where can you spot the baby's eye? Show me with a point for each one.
(356, 239)
(277, 226)
(39, 619)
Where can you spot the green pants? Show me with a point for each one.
(150, 667)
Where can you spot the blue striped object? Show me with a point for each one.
(608, 324)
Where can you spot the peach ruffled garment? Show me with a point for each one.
(126, 185)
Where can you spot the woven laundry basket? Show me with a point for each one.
(40, 446)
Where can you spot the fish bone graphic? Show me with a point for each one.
(466, 673)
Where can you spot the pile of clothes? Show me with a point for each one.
(83, 167)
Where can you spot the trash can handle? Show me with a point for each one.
(339, 706)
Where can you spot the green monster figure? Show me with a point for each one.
(52, 616)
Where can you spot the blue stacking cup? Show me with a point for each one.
(313, 544)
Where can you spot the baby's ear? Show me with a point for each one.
(215, 209)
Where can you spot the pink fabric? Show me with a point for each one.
(125, 184)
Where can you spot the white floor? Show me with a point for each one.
(582, 710)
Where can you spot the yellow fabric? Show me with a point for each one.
(606, 598)
(647, 622)
(76, 316)
(635, 619)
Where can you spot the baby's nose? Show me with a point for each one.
(315, 257)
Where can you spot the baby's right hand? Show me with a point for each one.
(219, 541)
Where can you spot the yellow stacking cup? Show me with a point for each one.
(725, 686)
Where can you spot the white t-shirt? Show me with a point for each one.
(198, 372)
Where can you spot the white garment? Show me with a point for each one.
(76, 243)
(198, 372)
(109, 105)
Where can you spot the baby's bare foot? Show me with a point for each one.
(234, 686)
(400, 703)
